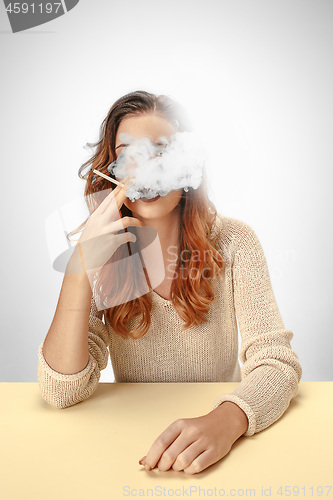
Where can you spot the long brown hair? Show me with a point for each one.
(190, 295)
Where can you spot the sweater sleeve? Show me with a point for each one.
(61, 390)
(271, 370)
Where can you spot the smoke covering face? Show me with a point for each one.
(159, 168)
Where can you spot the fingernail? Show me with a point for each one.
(142, 461)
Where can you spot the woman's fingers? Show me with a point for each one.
(97, 251)
(99, 239)
(161, 444)
(201, 462)
(182, 452)
(185, 459)
(120, 196)
(114, 200)
(111, 198)
(120, 239)
(101, 205)
(122, 223)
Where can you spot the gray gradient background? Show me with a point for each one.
(256, 79)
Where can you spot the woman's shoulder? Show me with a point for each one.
(233, 231)
(237, 237)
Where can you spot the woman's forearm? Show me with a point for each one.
(65, 347)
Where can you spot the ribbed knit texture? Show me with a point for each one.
(206, 353)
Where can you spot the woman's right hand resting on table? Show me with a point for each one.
(99, 239)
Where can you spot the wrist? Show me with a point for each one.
(75, 263)
(232, 417)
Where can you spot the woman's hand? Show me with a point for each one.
(193, 444)
(99, 239)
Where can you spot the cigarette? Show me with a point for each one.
(108, 178)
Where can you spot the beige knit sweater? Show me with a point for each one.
(206, 353)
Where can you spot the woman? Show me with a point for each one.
(183, 330)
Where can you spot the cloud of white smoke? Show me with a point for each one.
(160, 168)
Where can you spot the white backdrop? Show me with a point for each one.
(256, 77)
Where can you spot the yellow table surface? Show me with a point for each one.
(91, 450)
